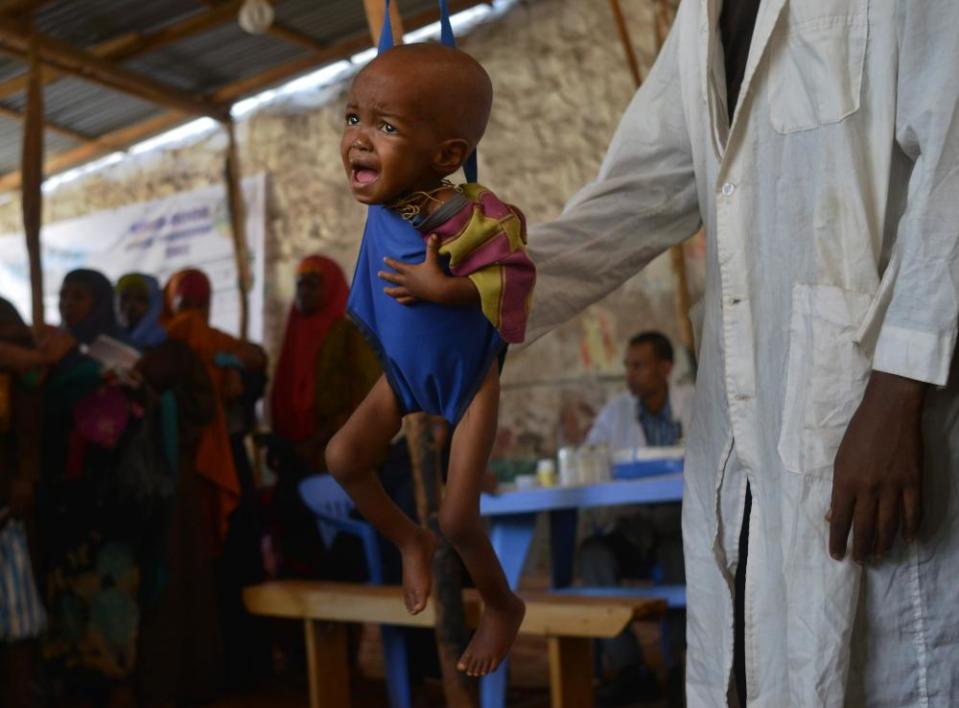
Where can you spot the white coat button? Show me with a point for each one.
(728, 189)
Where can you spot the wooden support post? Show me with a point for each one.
(327, 664)
(376, 11)
(676, 254)
(32, 171)
(663, 21)
(237, 207)
(447, 591)
(627, 42)
(570, 672)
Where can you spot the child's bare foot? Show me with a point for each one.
(417, 575)
(494, 637)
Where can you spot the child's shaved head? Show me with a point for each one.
(413, 116)
(452, 89)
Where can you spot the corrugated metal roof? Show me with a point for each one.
(88, 108)
(201, 63)
(11, 132)
(335, 19)
(10, 67)
(86, 22)
(212, 60)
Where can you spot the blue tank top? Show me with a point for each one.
(434, 356)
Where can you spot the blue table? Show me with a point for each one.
(512, 518)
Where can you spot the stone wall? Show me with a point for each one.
(561, 84)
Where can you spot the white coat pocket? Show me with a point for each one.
(817, 58)
(825, 377)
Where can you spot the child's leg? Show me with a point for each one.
(352, 456)
(461, 524)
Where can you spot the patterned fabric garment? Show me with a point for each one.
(485, 241)
(659, 428)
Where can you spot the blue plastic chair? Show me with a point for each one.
(332, 506)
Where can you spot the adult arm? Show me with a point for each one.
(878, 469)
(51, 346)
(643, 201)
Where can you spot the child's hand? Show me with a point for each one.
(425, 281)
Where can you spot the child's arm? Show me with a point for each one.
(427, 281)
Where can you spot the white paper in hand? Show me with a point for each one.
(112, 354)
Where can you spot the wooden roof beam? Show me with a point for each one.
(281, 30)
(117, 140)
(294, 36)
(341, 50)
(54, 127)
(86, 65)
(123, 138)
(134, 44)
(20, 7)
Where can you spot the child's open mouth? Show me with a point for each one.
(364, 176)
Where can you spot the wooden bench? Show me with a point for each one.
(569, 623)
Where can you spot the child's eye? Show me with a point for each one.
(389, 129)
(352, 119)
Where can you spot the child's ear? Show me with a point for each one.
(451, 155)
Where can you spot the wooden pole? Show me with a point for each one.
(627, 42)
(32, 171)
(677, 257)
(664, 19)
(237, 207)
(447, 591)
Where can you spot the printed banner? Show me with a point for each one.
(189, 230)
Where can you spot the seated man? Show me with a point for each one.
(644, 541)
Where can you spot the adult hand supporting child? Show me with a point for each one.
(427, 281)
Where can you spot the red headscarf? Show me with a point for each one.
(191, 285)
(294, 391)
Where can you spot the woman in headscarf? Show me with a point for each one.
(325, 370)
(186, 311)
(140, 306)
(20, 445)
(180, 645)
(238, 371)
(321, 348)
(91, 522)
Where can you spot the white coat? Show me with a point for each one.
(831, 208)
(617, 425)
